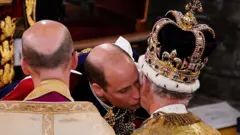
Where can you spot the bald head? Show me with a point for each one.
(108, 54)
(105, 57)
(46, 44)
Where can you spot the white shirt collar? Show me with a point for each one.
(175, 108)
(99, 100)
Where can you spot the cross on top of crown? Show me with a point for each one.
(194, 5)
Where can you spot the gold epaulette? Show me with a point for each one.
(87, 50)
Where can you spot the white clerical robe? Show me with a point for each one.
(60, 118)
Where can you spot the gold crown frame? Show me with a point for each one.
(170, 66)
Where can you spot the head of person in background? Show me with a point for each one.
(47, 52)
(113, 76)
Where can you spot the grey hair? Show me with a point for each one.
(171, 94)
(163, 93)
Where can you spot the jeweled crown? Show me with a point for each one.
(178, 47)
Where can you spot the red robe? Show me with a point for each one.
(26, 86)
(21, 90)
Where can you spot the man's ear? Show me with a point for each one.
(74, 60)
(25, 67)
(98, 90)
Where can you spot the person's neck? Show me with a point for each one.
(49, 75)
(159, 104)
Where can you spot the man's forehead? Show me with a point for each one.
(121, 77)
(118, 67)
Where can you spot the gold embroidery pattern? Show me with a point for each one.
(37, 107)
(48, 86)
(48, 124)
(47, 117)
(87, 50)
(175, 124)
(121, 120)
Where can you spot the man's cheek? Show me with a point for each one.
(142, 90)
(142, 95)
(141, 79)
